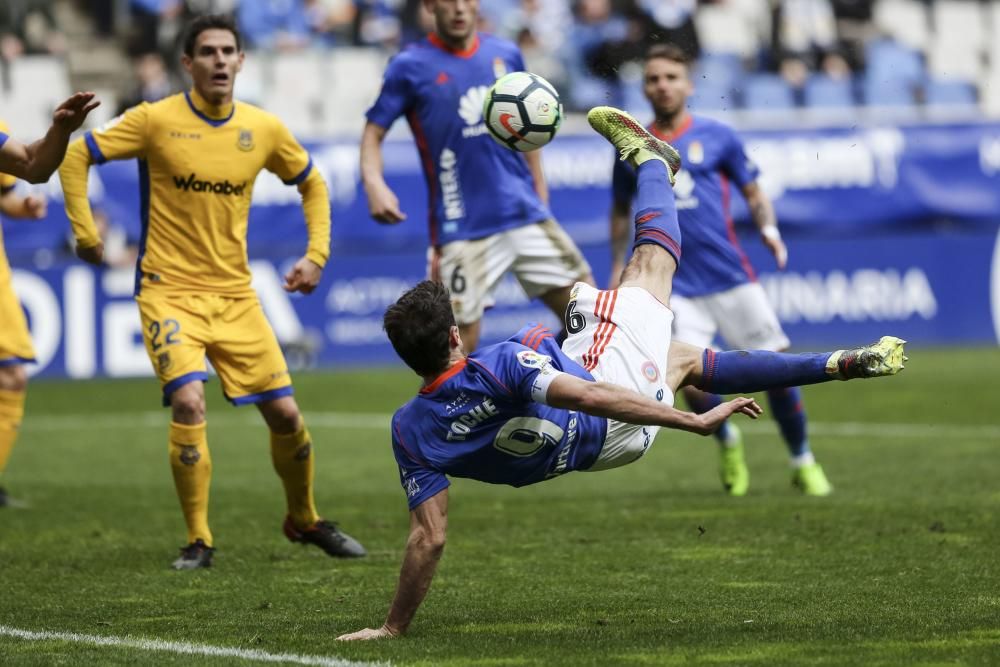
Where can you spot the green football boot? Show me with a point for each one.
(811, 480)
(733, 469)
(876, 360)
(634, 142)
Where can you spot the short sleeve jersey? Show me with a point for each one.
(476, 187)
(7, 183)
(713, 161)
(483, 420)
(196, 176)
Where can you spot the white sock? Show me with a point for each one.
(803, 460)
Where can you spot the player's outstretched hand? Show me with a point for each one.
(35, 208)
(778, 249)
(303, 277)
(93, 255)
(712, 420)
(366, 634)
(69, 115)
(383, 204)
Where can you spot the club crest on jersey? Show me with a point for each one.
(696, 153)
(499, 67)
(412, 488)
(530, 359)
(245, 142)
(650, 371)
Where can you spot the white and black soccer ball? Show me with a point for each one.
(522, 111)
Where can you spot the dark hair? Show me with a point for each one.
(667, 52)
(210, 22)
(418, 325)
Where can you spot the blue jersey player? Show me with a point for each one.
(487, 205)
(715, 290)
(526, 410)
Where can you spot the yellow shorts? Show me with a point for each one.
(15, 340)
(181, 330)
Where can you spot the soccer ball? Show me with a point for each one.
(522, 111)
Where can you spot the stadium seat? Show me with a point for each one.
(767, 92)
(356, 74)
(709, 97)
(949, 92)
(903, 20)
(891, 93)
(721, 70)
(723, 28)
(26, 103)
(295, 91)
(889, 61)
(828, 93)
(947, 61)
(959, 23)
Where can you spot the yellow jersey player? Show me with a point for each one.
(35, 162)
(199, 153)
(15, 341)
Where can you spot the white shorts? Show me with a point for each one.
(621, 337)
(742, 315)
(542, 256)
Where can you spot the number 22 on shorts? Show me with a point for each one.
(169, 328)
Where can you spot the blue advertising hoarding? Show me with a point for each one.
(890, 230)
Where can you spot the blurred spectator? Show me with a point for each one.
(377, 23)
(538, 28)
(670, 22)
(155, 25)
(806, 40)
(152, 81)
(275, 25)
(600, 40)
(855, 29)
(28, 26)
(417, 22)
(330, 21)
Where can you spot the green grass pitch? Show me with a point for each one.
(647, 564)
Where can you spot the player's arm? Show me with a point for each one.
(428, 528)
(35, 162)
(14, 205)
(534, 159)
(122, 138)
(293, 165)
(762, 213)
(383, 204)
(608, 400)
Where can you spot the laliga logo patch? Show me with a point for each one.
(530, 359)
(696, 153)
(650, 372)
(499, 67)
(302, 453)
(190, 455)
(163, 362)
(245, 142)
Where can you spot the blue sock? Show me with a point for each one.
(786, 407)
(746, 371)
(700, 403)
(656, 210)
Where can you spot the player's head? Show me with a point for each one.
(666, 79)
(213, 54)
(421, 327)
(454, 20)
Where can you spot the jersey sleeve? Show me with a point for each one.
(420, 482)
(288, 160)
(623, 183)
(7, 182)
(519, 370)
(740, 169)
(396, 95)
(121, 138)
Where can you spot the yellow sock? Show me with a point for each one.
(11, 412)
(292, 456)
(192, 468)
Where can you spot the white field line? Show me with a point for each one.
(380, 421)
(252, 655)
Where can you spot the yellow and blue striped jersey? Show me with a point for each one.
(7, 183)
(197, 167)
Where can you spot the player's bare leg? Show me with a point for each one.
(293, 458)
(191, 465)
(13, 386)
